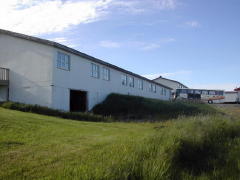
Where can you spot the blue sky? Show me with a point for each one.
(196, 42)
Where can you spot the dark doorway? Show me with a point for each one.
(78, 101)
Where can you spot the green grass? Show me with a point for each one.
(42, 147)
(135, 107)
(80, 116)
(33, 145)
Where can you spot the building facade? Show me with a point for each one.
(232, 97)
(170, 83)
(50, 74)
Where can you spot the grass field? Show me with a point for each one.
(41, 147)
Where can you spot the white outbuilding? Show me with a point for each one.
(38, 71)
(232, 97)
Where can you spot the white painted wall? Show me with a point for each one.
(171, 84)
(3, 93)
(35, 78)
(30, 65)
(79, 78)
(231, 96)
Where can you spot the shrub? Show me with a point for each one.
(52, 112)
(135, 107)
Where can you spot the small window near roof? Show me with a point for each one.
(63, 61)
(95, 71)
(106, 74)
(165, 91)
(131, 81)
(140, 84)
(124, 80)
(154, 89)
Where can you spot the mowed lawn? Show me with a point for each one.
(36, 146)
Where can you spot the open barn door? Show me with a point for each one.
(78, 101)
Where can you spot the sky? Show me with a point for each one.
(196, 42)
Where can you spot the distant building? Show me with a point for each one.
(170, 83)
(38, 71)
(232, 97)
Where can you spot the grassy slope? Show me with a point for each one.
(31, 145)
(36, 146)
(135, 107)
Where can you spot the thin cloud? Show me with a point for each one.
(140, 6)
(48, 16)
(110, 44)
(145, 46)
(39, 17)
(193, 24)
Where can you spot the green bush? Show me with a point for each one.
(134, 107)
(52, 112)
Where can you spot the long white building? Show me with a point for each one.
(38, 71)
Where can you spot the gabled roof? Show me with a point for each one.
(160, 77)
(71, 50)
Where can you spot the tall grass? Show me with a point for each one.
(135, 107)
(192, 148)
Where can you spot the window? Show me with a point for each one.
(165, 91)
(131, 81)
(124, 80)
(106, 74)
(162, 91)
(190, 91)
(205, 92)
(220, 93)
(212, 93)
(140, 84)
(63, 61)
(197, 92)
(150, 87)
(95, 71)
(154, 89)
(184, 91)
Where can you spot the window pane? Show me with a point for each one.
(106, 74)
(124, 80)
(205, 92)
(131, 81)
(140, 84)
(95, 71)
(63, 61)
(212, 93)
(184, 91)
(154, 88)
(197, 92)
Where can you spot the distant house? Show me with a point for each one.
(38, 71)
(170, 83)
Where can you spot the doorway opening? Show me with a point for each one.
(78, 101)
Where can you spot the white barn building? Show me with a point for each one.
(170, 83)
(38, 71)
